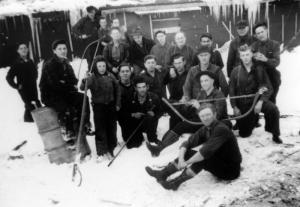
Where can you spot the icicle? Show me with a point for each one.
(14, 23)
(32, 31)
(233, 11)
(266, 10)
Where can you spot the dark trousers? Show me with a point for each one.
(129, 124)
(275, 78)
(271, 113)
(106, 128)
(69, 109)
(28, 98)
(220, 168)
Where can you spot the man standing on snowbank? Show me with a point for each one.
(219, 153)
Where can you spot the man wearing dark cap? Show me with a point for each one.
(218, 154)
(86, 29)
(206, 39)
(138, 49)
(243, 38)
(58, 86)
(192, 86)
(207, 80)
(267, 52)
(160, 49)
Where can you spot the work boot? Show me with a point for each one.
(162, 175)
(277, 139)
(176, 182)
(169, 138)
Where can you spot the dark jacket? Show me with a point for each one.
(215, 59)
(159, 52)
(138, 53)
(243, 83)
(124, 54)
(86, 26)
(156, 83)
(217, 139)
(57, 79)
(26, 75)
(187, 52)
(104, 88)
(152, 103)
(220, 105)
(271, 49)
(103, 35)
(192, 86)
(175, 85)
(233, 58)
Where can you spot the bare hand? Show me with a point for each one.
(262, 90)
(87, 74)
(158, 67)
(261, 57)
(117, 108)
(137, 115)
(258, 106)
(184, 99)
(20, 87)
(62, 81)
(236, 111)
(150, 113)
(115, 70)
(172, 73)
(194, 103)
(84, 36)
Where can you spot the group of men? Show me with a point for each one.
(197, 90)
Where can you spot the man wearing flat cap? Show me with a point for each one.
(138, 49)
(206, 39)
(243, 38)
(192, 86)
(267, 52)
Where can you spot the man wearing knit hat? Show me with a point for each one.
(206, 39)
(138, 49)
(243, 38)
(192, 86)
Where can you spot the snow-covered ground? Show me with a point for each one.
(270, 175)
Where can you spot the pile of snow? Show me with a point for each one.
(32, 181)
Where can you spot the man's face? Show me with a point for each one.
(115, 23)
(138, 39)
(161, 38)
(61, 51)
(243, 31)
(205, 41)
(23, 50)
(103, 23)
(125, 73)
(141, 89)
(92, 14)
(115, 34)
(207, 83)
(261, 33)
(101, 67)
(246, 56)
(150, 65)
(207, 116)
(180, 39)
(204, 57)
(179, 64)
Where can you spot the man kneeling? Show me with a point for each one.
(219, 153)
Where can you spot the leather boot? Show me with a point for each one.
(277, 139)
(176, 182)
(162, 175)
(169, 138)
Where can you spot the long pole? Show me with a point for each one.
(70, 39)
(225, 26)
(282, 28)
(296, 23)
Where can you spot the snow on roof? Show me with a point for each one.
(26, 7)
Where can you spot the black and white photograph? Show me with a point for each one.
(150, 103)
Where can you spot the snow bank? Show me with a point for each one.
(34, 182)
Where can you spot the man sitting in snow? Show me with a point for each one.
(248, 78)
(208, 81)
(219, 153)
(58, 87)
